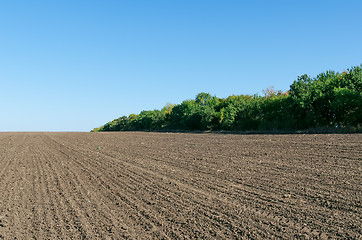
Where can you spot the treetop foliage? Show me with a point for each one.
(330, 99)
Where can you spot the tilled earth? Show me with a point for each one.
(135, 185)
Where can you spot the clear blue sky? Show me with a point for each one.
(74, 65)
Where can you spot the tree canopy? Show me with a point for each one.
(330, 99)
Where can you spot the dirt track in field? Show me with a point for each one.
(180, 186)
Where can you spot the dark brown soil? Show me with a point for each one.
(135, 185)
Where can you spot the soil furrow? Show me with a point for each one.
(150, 180)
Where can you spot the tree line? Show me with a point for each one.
(330, 99)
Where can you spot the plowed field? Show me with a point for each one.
(134, 185)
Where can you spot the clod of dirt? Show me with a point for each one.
(287, 196)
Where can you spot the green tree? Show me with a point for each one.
(330, 99)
